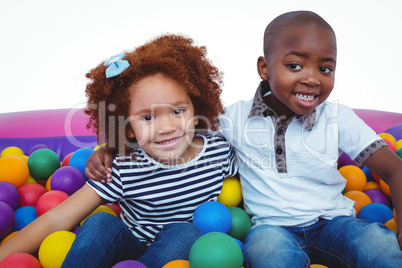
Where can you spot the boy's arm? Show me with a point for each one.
(65, 216)
(388, 166)
(99, 165)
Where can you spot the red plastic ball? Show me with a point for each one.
(49, 200)
(20, 260)
(30, 194)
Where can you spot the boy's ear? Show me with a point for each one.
(262, 67)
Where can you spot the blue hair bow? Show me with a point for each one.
(116, 65)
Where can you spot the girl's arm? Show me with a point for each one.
(388, 166)
(65, 216)
(99, 165)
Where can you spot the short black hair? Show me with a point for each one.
(289, 19)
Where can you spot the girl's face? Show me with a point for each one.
(162, 119)
(301, 69)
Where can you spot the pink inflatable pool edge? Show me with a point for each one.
(64, 130)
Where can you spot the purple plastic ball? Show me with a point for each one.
(67, 179)
(129, 264)
(37, 147)
(9, 194)
(345, 160)
(377, 196)
(7, 220)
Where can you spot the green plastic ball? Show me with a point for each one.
(241, 223)
(215, 249)
(43, 163)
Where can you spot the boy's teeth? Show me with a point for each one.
(304, 97)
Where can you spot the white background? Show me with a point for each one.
(47, 46)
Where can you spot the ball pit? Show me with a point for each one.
(30, 131)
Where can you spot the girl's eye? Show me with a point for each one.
(178, 111)
(147, 118)
(325, 70)
(294, 66)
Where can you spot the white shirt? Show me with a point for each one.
(311, 186)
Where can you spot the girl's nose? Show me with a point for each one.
(167, 124)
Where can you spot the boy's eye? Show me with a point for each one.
(325, 70)
(178, 111)
(294, 66)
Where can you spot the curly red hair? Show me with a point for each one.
(172, 55)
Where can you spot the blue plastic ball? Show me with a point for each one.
(375, 212)
(79, 159)
(368, 174)
(212, 217)
(23, 217)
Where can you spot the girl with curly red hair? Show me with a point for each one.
(155, 106)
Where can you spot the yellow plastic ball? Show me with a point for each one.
(101, 208)
(318, 266)
(30, 180)
(11, 151)
(177, 264)
(398, 144)
(388, 137)
(230, 195)
(54, 248)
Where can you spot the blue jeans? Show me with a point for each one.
(341, 242)
(104, 240)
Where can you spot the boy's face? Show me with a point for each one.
(300, 69)
(163, 119)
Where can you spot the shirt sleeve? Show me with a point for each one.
(112, 191)
(356, 138)
(232, 167)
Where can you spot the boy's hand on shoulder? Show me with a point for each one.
(99, 165)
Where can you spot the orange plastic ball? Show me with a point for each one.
(388, 137)
(318, 266)
(14, 170)
(385, 188)
(391, 224)
(177, 264)
(396, 219)
(372, 185)
(361, 199)
(355, 178)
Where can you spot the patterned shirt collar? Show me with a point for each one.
(259, 107)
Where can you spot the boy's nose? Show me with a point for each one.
(311, 78)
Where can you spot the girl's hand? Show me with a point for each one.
(99, 165)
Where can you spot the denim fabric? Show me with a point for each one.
(341, 242)
(104, 240)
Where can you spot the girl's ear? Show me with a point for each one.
(196, 120)
(262, 67)
(130, 132)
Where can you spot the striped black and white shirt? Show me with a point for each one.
(152, 194)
